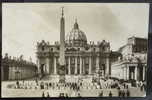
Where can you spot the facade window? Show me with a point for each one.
(103, 67)
(72, 60)
(42, 48)
(94, 61)
(58, 48)
(103, 48)
(87, 48)
(87, 60)
(51, 49)
(94, 49)
(135, 49)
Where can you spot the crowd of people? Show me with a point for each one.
(103, 84)
(141, 84)
(122, 89)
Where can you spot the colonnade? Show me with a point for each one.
(135, 73)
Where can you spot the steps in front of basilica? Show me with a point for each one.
(69, 78)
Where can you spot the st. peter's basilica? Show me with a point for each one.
(81, 57)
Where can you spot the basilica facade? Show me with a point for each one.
(79, 56)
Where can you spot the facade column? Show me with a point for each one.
(39, 65)
(127, 71)
(69, 69)
(45, 71)
(107, 66)
(47, 65)
(83, 65)
(144, 69)
(76, 65)
(136, 73)
(124, 77)
(80, 65)
(90, 64)
(55, 72)
(123, 70)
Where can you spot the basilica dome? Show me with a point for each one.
(76, 37)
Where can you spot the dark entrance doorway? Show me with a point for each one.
(131, 72)
(42, 69)
(141, 73)
(103, 68)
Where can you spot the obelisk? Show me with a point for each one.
(62, 48)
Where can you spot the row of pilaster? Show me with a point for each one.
(81, 68)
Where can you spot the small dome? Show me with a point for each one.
(76, 37)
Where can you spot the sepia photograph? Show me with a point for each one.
(74, 49)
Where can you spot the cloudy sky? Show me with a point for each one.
(25, 24)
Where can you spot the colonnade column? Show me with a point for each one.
(144, 69)
(80, 65)
(97, 64)
(55, 65)
(69, 69)
(90, 64)
(76, 65)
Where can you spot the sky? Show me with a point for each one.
(25, 24)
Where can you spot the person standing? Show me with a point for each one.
(119, 93)
(101, 94)
(48, 94)
(79, 95)
(128, 93)
(17, 84)
(66, 95)
(110, 94)
(123, 93)
(43, 95)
